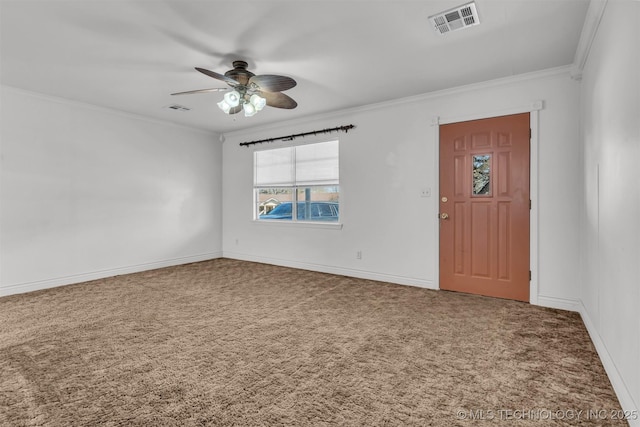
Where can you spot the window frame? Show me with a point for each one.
(295, 188)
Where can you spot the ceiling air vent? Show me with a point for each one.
(455, 19)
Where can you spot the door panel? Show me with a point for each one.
(480, 240)
(484, 192)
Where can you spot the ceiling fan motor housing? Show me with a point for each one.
(240, 73)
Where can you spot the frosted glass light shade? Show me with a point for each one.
(258, 102)
(224, 106)
(232, 98)
(249, 109)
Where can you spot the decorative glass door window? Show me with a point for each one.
(481, 185)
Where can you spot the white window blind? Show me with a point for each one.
(274, 167)
(317, 164)
(313, 164)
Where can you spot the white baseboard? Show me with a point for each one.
(85, 277)
(559, 303)
(350, 272)
(617, 381)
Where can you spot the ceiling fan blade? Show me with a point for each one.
(278, 100)
(215, 89)
(215, 75)
(273, 83)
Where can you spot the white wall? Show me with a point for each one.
(610, 117)
(88, 192)
(386, 160)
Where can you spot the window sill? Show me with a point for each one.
(300, 224)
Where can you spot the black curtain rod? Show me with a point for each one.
(292, 137)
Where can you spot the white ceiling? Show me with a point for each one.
(130, 55)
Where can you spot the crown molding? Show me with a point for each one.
(589, 31)
(106, 110)
(503, 81)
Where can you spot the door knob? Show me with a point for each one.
(444, 215)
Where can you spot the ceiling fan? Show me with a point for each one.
(249, 92)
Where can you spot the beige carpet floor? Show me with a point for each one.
(228, 342)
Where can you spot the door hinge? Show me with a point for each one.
(530, 133)
(529, 275)
(529, 204)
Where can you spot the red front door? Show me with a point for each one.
(485, 206)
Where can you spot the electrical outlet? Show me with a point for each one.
(425, 192)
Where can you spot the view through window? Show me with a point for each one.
(299, 183)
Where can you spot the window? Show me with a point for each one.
(481, 175)
(298, 183)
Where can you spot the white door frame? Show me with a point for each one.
(533, 108)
